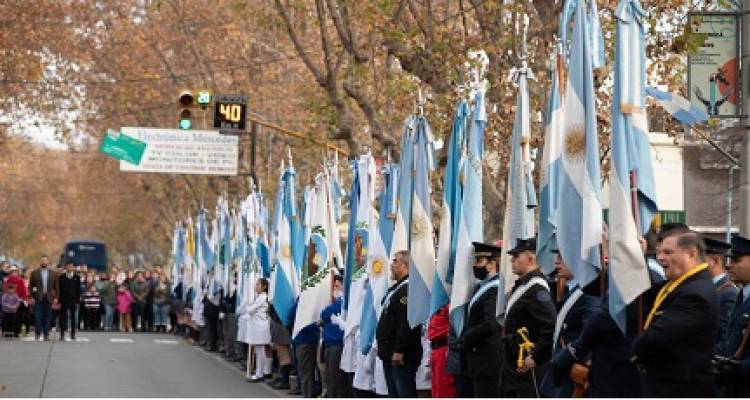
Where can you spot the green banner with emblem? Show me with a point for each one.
(123, 147)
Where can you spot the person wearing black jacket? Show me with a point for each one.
(70, 297)
(228, 319)
(480, 338)
(399, 347)
(675, 350)
(529, 309)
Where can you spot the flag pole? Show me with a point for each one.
(636, 219)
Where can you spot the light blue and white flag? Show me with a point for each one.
(357, 253)
(285, 276)
(323, 249)
(380, 230)
(579, 221)
(630, 153)
(405, 192)
(471, 228)
(421, 241)
(451, 212)
(593, 31)
(551, 172)
(678, 107)
(520, 202)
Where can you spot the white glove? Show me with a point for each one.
(221, 315)
(339, 321)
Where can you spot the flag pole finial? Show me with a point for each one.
(289, 156)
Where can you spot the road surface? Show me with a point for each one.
(105, 364)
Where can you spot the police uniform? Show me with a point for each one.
(395, 336)
(480, 338)
(725, 288)
(577, 308)
(734, 370)
(530, 306)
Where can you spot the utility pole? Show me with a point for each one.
(745, 121)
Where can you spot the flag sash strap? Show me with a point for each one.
(390, 293)
(669, 288)
(537, 280)
(569, 303)
(495, 282)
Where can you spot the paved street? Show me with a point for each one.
(120, 365)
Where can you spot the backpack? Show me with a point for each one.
(11, 302)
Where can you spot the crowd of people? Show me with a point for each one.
(687, 336)
(71, 298)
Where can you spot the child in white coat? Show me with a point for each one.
(259, 330)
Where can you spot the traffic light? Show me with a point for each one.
(189, 101)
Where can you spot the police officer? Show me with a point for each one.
(734, 360)
(399, 347)
(577, 308)
(529, 320)
(716, 253)
(480, 339)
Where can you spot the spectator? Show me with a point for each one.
(91, 303)
(337, 382)
(10, 303)
(44, 288)
(139, 290)
(108, 293)
(21, 291)
(28, 315)
(124, 306)
(161, 304)
(70, 297)
(148, 312)
(259, 334)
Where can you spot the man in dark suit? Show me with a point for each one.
(676, 347)
(716, 253)
(399, 347)
(734, 365)
(480, 339)
(530, 308)
(70, 297)
(44, 289)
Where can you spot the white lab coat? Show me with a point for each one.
(423, 378)
(258, 324)
(364, 374)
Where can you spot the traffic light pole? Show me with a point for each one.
(253, 146)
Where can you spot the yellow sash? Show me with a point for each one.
(669, 288)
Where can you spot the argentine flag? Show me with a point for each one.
(520, 202)
(628, 273)
(579, 221)
(451, 212)
(471, 228)
(421, 242)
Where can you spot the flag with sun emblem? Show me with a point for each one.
(451, 211)
(285, 276)
(422, 241)
(323, 251)
(471, 228)
(628, 273)
(519, 205)
(380, 231)
(579, 222)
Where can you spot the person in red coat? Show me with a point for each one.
(14, 278)
(437, 333)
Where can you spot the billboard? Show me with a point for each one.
(176, 151)
(713, 69)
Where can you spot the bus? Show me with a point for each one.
(92, 253)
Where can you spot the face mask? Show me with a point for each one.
(338, 293)
(480, 273)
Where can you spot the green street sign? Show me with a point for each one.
(123, 147)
